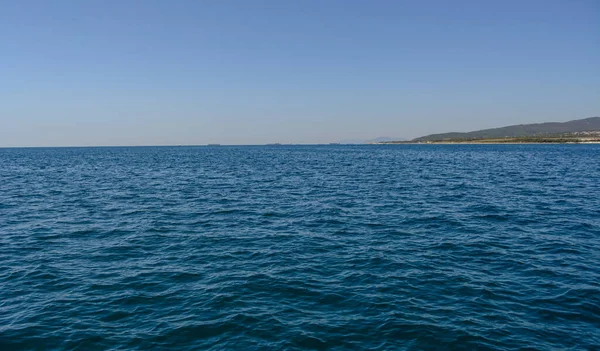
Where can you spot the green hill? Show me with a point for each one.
(521, 130)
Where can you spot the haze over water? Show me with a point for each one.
(300, 247)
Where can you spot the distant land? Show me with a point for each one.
(370, 141)
(576, 131)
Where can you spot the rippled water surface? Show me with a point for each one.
(300, 247)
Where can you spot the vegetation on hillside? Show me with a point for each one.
(538, 131)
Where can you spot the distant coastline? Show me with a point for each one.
(493, 141)
(562, 139)
(582, 131)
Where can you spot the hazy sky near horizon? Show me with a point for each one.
(124, 72)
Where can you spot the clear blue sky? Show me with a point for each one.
(148, 72)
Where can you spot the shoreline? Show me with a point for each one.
(497, 141)
(487, 143)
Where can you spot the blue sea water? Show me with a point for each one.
(387, 247)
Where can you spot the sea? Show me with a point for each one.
(290, 247)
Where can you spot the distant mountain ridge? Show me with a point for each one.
(521, 130)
